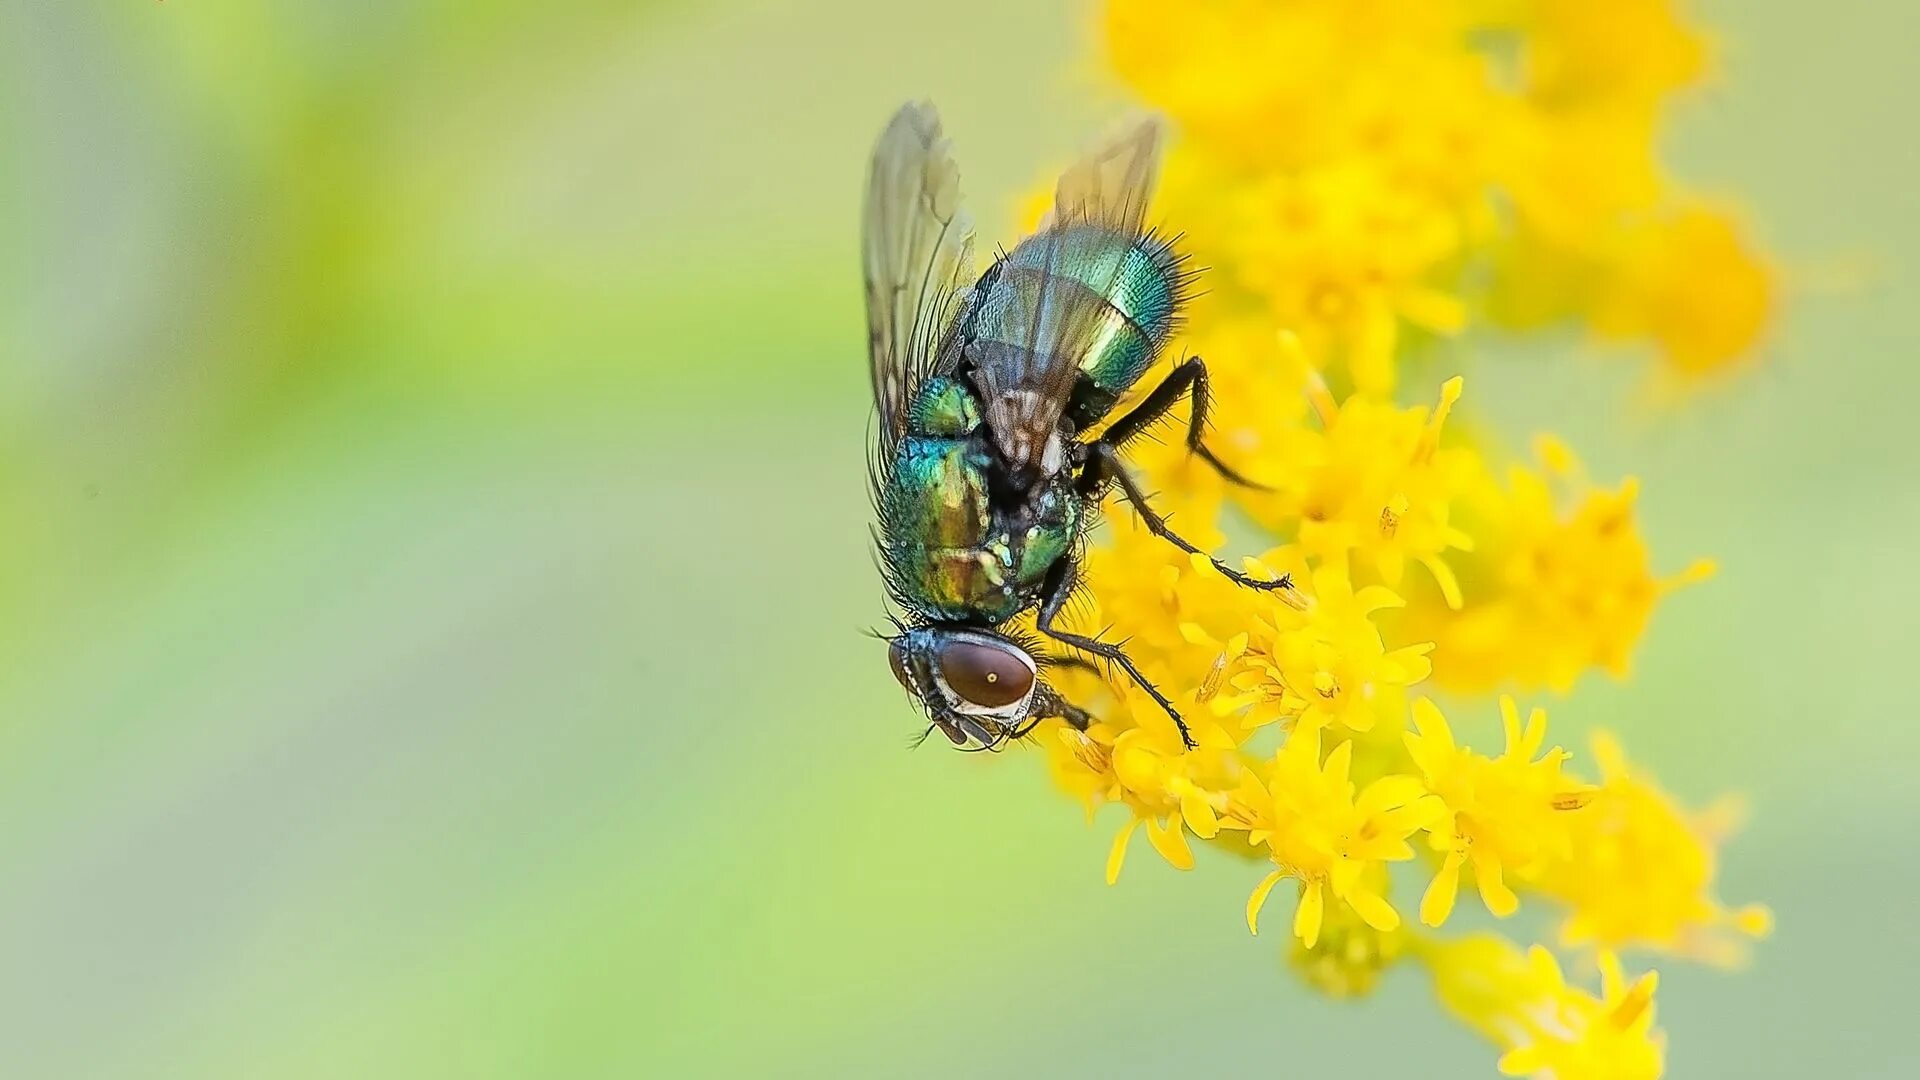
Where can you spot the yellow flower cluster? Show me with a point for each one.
(1374, 173)
(1521, 1001)
(1367, 178)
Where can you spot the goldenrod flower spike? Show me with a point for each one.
(1365, 180)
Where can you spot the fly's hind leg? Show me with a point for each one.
(1104, 464)
(1187, 380)
(1054, 593)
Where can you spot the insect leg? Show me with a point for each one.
(1080, 663)
(1103, 464)
(1187, 380)
(1055, 591)
(1047, 703)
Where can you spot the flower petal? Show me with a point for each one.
(1117, 855)
(1493, 887)
(1259, 899)
(1171, 842)
(1306, 918)
(1374, 910)
(1437, 903)
(1198, 813)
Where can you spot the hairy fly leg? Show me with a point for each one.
(1104, 464)
(1188, 380)
(1054, 593)
(1049, 703)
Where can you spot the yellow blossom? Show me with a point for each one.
(1548, 1029)
(1505, 815)
(1691, 283)
(1644, 875)
(1350, 956)
(1376, 186)
(1138, 761)
(1374, 484)
(1150, 589)
(1549, 593)
(1320, 833)
(1313, 657)
(1348, 165)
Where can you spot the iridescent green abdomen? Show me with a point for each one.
(1140, 283)
(952, 554)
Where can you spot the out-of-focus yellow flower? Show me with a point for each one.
(1345, 255)
(1351, 168)
(1644, 875)
(1323, 835)
(1521, 1001)
(1693, 284)
(1549, 593)
(1506, 814)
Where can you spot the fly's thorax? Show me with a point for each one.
(940, 530)
(1050, 528)
(944, 407)
(953, 552)
(938, 490)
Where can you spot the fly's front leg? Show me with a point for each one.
(1049, 703)
(1055, 591)
(1104, 464)
(1187, 380)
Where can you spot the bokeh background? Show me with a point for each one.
(435, 554)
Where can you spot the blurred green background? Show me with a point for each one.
(431, 458)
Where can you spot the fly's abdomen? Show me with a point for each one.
(1138, 281)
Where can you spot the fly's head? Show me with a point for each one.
(975, 685)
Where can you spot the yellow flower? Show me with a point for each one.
(1320, 833)
(1135, 757)
(1258, 375)
(1350, 956)
(1622, 55)
(1369, 181)
(1145, 589)
(1345, 255)
(1644, 872)
(1349, 167)
(1313, 657)
(1548, 594)
(1691, 283)
(1373, 484)
(1521, 1001)
(1507, 814)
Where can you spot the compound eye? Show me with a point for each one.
(990, 675)
(897, 659)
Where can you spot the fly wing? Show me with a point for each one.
(1055, 286)
(917, 255)
(1111, 186)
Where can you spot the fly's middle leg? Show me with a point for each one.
(1104, 464)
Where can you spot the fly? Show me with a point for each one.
(982, 481)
